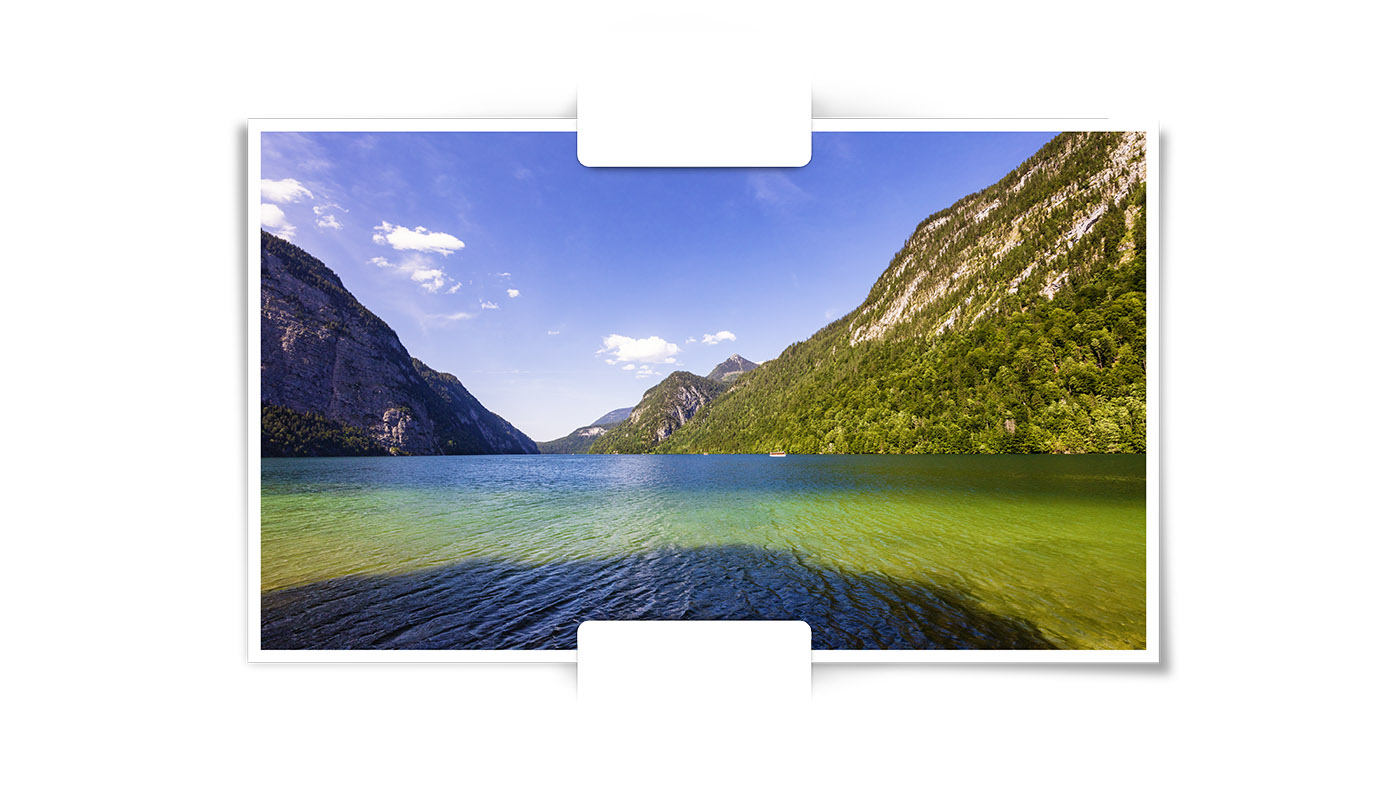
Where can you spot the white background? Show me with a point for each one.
(124, 516)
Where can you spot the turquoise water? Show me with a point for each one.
(872, 551)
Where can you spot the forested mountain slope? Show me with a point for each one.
(1013, 321)
(664, 408)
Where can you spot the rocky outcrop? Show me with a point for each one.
(324, 354)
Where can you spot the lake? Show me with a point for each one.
(890, 552)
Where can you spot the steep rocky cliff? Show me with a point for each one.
(329, 360)
(664, 408)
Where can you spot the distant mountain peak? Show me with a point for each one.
(612, 417)
(731, 368)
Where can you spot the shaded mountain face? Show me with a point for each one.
(336, 379)
(1013, 321)
(729, 369)
(612, 417)
(664, 408)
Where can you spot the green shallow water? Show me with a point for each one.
(1058, 542)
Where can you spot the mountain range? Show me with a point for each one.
(337, 381)
(1015, 320)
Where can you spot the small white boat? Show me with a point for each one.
(777, 454)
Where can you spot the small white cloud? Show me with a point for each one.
(689, 340)
(718, 337)
(513, 293)
(552, 332)
(505, 274)
(285, 190)
(454, 288)
(275, 220)
(629, 367)
(455, 316)
(645, 371)
(490, 305)
(419, 239)
(379, 261)
(653, 350)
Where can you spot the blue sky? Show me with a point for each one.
(558, 292)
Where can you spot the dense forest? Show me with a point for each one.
(1014, 321)
(291, 433)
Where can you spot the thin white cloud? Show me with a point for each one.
(689, 340)
(775, 188)
(490, 305)
(275, 220)
(645, 371)
(629, 367)
(419, 239)
(325, 216)
(718, 337)
(430, 279)
(513, 293)
(285, 190)
(552, 332)
(422, 271)
(652, 350)
(455, 316)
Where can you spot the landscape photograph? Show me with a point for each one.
(900, 393)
